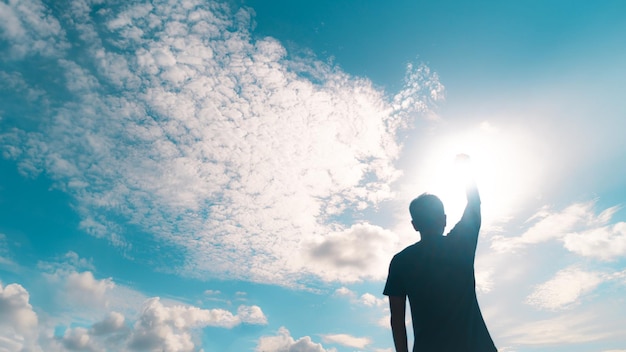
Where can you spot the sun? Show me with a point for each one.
(501, 162)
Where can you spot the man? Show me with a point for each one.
(437, 275)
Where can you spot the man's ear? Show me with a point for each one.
(414, 226)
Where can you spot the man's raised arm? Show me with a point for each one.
(471, 215)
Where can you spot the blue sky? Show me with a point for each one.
(206, 176)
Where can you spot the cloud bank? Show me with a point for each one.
(154, 325)
(172, 118)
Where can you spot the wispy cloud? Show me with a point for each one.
(5, 255)
(564, 289)
(564, 329)
(174, 119)
(578, 227)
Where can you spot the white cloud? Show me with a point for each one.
(5, 259)
(158, 327)
(18, 321)
(581, 230)
(216, 143)
(484, 280)
(362, 251)
(16, 310)
(103, 294)
(83, 288)
(347, 340)
(111, 333)
(563, 329)
(72, 259)
(77, 339)
(366, 299)
(80, 290)
(113, 322)
(10, 344)
(345, 292)
(154, 312)
(384, 322)
(549, 225)
(564, 289)
(64, 265)
(251, 315)
(283, 342)
(122, 322)
(170, 328)
(605, 243)
(30, 28)
(370, 300)
(506, 349)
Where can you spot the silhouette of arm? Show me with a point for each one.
(471, 220)
(472, 209)
(397, 305)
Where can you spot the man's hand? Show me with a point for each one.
(464, 168)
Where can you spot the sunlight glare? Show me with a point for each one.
(502, 165)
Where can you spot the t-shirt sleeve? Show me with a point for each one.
(395, 284)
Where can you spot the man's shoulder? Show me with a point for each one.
(408, 252)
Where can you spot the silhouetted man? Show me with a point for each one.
(437, 275)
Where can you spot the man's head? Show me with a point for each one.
(427, 214)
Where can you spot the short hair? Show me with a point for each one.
(425, 209)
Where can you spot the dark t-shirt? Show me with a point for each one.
(439, 280)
